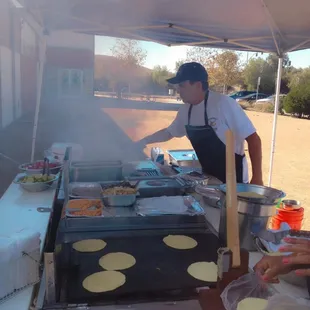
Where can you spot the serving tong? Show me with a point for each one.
(46, 166)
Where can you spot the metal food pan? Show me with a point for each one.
(68, 214)
(186, 158)
(160, 271)
(84, 190)
(96, 171)
(119, 200)
(269, 195)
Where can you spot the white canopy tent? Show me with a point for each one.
(269, 26)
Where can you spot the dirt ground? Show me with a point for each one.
(291, 171)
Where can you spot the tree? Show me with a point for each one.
(273, 61)
(159, 78)
(298, 76)
(224, 69)
(160, 75)
(129, 52)
(178, 64)
(223, 66)
(267, 70)
(202, 55)
(298, 100)
(259, 68)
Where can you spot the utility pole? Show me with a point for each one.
(257, 88)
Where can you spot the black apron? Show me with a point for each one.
(210, 150)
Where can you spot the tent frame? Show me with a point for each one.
(129, 32)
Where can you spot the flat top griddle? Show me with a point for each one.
(160, 272)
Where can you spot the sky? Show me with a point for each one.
(167, 56)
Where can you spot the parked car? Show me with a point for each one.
(270, 99)
(242, 93)
(252, 97)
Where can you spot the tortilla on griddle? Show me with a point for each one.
(250, 195)
(89, 245)
(180, 242)
(104, 281)
(252, 303)
(117, 261)
(204, 271)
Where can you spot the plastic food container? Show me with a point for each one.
(119, 200)
(54, 167)
(81, 190)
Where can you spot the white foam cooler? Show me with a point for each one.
(19, 262)
(27, 243)
(7, 270)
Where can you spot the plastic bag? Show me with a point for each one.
(283, 302)
(246, 286)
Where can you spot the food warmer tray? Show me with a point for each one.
(183, 158)
(160, 272)
(154, 187)
(96, 171)
(84, 190)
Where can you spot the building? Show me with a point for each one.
(69, 68)
(11, 64)
(68, 72)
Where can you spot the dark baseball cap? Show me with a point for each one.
(190, 71)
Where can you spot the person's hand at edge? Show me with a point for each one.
(269, 267)
(301, 255)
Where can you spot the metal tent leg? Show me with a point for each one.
(39, 92)
(275, 118)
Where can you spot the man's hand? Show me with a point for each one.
(269, 267)
(257, 181)
(140, 144)
(301, 255)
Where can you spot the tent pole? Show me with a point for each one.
(275, 118)
(39, 92)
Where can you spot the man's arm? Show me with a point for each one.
(241, 125)
(176, 129)
(255, 152)
(162, 135)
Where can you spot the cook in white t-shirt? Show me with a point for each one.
(222, 113)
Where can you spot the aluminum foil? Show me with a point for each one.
(168, 205)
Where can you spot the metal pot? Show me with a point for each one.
(270, 195)
(252, 206)
(252, 216)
